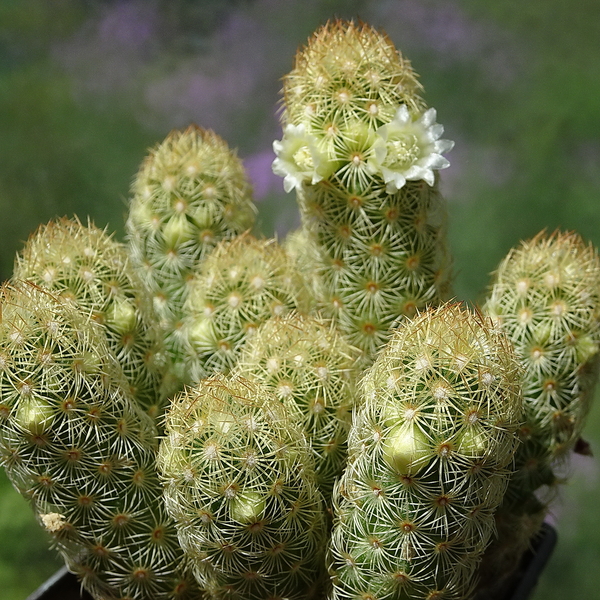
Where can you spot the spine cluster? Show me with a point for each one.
(240, 484)
(360, 148)
(429, 452)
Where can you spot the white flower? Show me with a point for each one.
(298, 158)
(409, 150)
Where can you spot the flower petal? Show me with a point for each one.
(428, 118)
(402, 116)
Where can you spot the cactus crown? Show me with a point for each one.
(348, 72)
(50, 349)
(546, 296)
(191, 186)
(84, 264)
(450, 377)
(351, 109)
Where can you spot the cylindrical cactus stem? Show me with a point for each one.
(240, 484)
(311, 368)
(240, 285)
(546, 296)
(82, 452)
(429, 455)
(361, 148)
(191, 192)
(84, 264)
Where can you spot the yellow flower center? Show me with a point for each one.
(403, 152)
(303, 159)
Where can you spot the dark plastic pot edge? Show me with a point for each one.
(536, 560)
(63, 585)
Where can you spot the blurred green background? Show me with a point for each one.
(87, 86)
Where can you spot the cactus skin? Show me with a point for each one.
(84, 264)
(310, 367)
(546, 297)
(428, 455)
(82, 453)
(240, 484)
(240, 285)
(304, 254)
(382, 255)
(191, 192)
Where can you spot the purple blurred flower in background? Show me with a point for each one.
(109, 53)
(260, 173)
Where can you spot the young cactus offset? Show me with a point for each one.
(190, 192)
(311, 368)
(429, 451)
(85, 265)
(240, 484)
(240, 285)
(82, 453)
(546, 297)
(360, 147)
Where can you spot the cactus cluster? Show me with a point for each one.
(333, 427)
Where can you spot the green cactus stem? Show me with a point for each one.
(546, 297)
(85, 265)
(191, 192)
(360, 147)
(82, 453)
(240, 285)
(429, 451)
(310, 367)
(240, 484)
